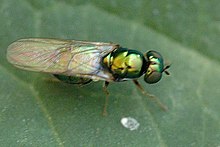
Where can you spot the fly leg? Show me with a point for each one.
(162, 106)
(105, 85)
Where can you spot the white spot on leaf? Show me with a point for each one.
(130, 123)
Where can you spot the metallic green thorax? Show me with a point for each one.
(125, 64)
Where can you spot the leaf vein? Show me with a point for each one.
(40, 103)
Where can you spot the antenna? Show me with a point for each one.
(165, 69)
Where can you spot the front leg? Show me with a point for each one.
(162, 106)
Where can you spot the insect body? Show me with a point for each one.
(69, 60)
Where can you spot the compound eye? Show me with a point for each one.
(153, 54)
(152, 77)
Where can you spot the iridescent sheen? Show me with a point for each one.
(86, 60)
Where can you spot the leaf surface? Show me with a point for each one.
(36, 112)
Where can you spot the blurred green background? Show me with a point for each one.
(35, 112)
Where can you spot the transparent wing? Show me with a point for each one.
(66, 57)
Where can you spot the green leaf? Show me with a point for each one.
(36, 112)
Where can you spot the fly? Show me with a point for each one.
(81, 62)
